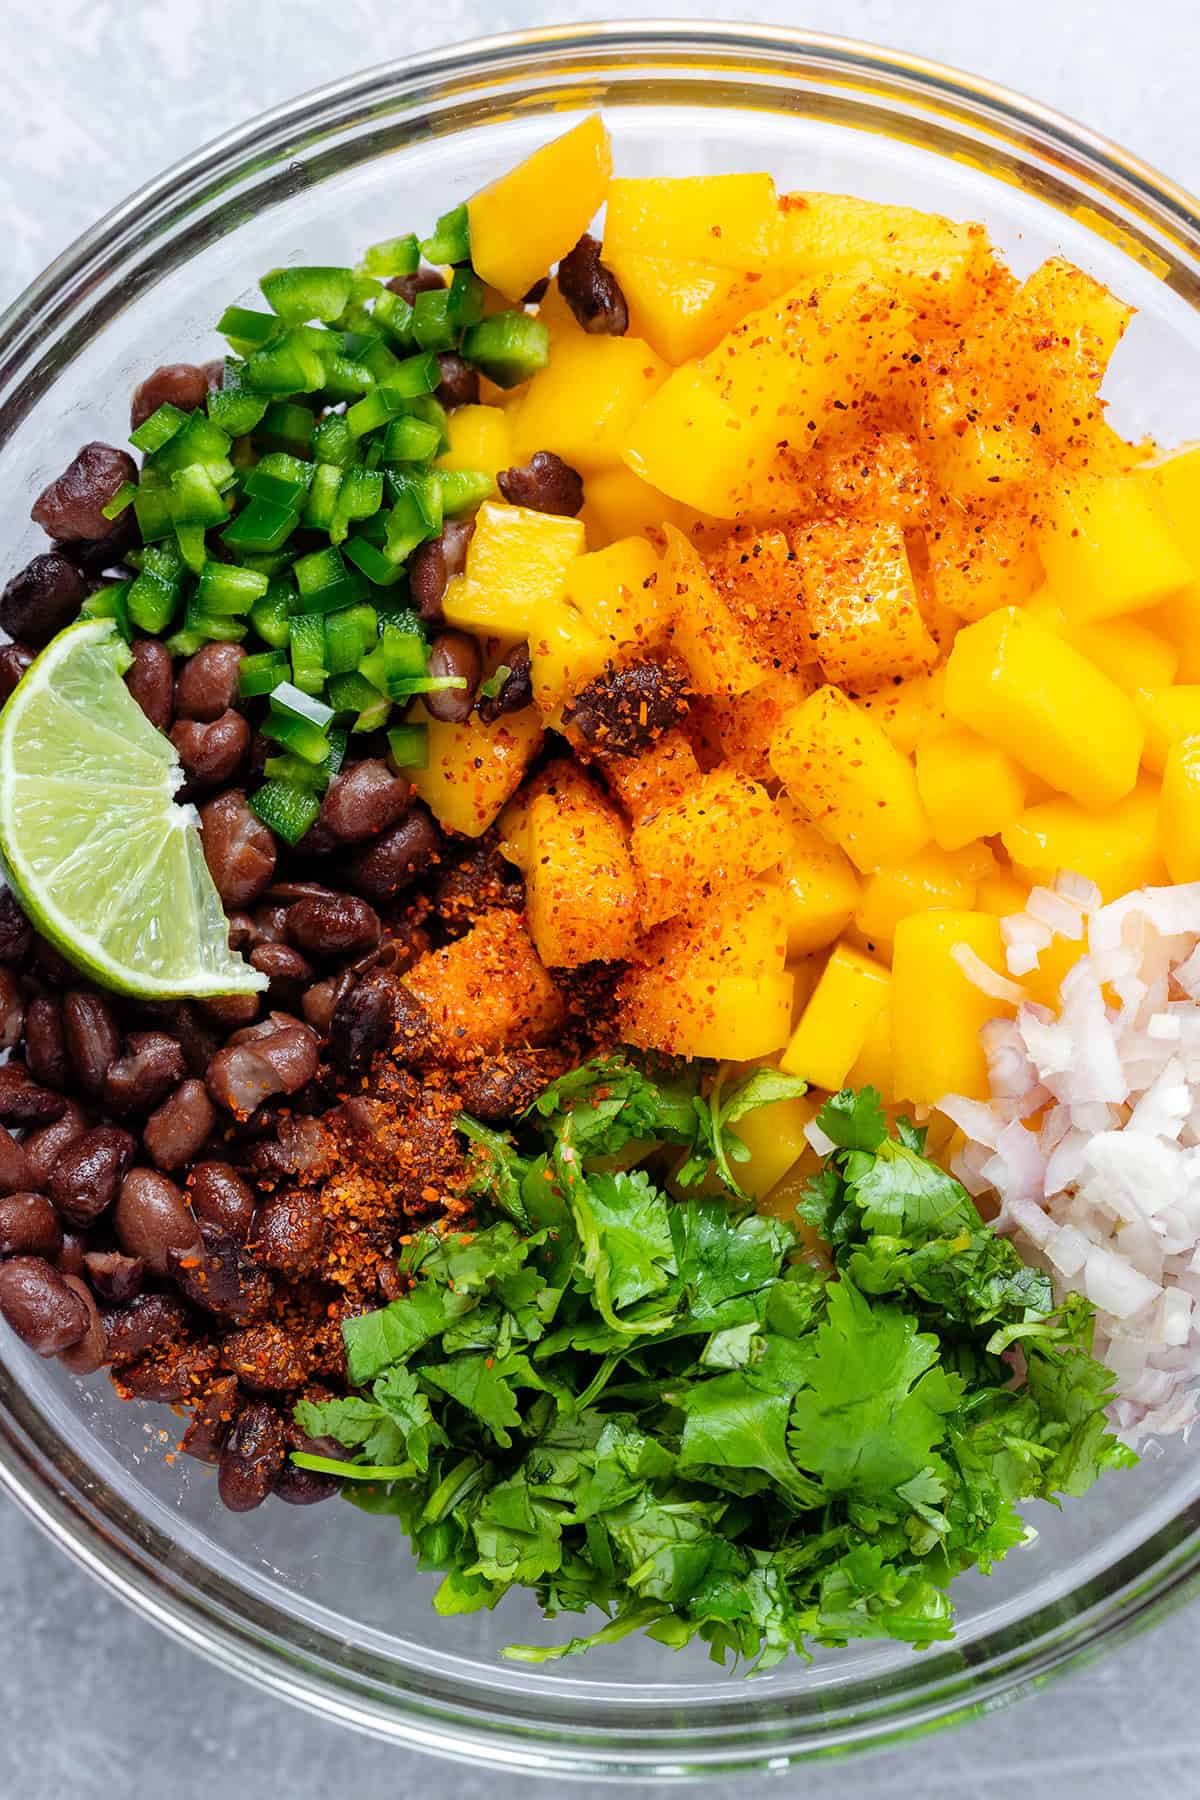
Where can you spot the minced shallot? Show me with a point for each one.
(1091, 1140)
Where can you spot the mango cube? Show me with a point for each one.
(1117, 847)
(725, 829)
(727, 220)
(969, 788)
(1001, 893)
(705, 632)
(472, 770)
(927, 259)
(524, 222)
(929, 880)
(681, 309)
(1179, 813)
(487, 989)
(619, 592)
(617, 503)
(851, 780)
(516, 567)
(1107, 547)
(1167, 714)
(1020, 686)
(820, 885)
(937, 1012)
(655, 778)
(774, 1136)
(1127, 651)
(564, 655)
(479, 439)
(908, 711)
(584, 403)
(837, 1020)
(581, 891)
(873, 1065)
(1175, 483)
(864, 615)
(983, 556)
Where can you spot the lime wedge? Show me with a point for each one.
(101, 858)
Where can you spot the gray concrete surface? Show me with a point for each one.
(98, 95)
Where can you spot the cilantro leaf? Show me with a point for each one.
(376, 1340)
(903, 1192)
(733, 1423)
(854, 1121)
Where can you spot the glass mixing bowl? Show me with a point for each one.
(324, 1607)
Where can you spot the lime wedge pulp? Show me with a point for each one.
(103, 861)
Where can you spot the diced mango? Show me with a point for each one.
(987, 455)
(1055, 962)
(837, 1021)
(487, 989)
(851, 780)
(1179, 814)
(619, 592)
(711, 434)
(969, 788)
(805, 972)
(864, 616)
(774, 1136)
(617, 503)
(681, 309)
(564, 655)
(725, 829)
(581, 891)
(705, 632)
(983, 556)
(1001, 893)
(522, 223)
(1022, 687)
(1175, 483)
(479, 439)
(928, 259)
(1167, 714)
(820, 886)
(1107, 547)
(937, 1013)
(584, 403)
(873, 1065)
(787, 1198)
(727, 220)
(929, 880)
(909, 711)
(1127, 651)
(1061, 329)
(656, 778)
(473, 769)
(1117, 848)
(517, 565)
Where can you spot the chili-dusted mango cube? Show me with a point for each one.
(727, 220)
(983, 556)
(617, 503)
(1167, 714)
(908, 711)
(1062, 329)
(564, 655)
(1022, 687)
(657, 777)
(1107, 546)
(1116, 847)
(1179, 811)
(724, 830)
(774, 1136)
(619, 592)
(581, 891)
(838, 764)
(479, 439)
(820, 886)
(1175, 483)
(837, 1021)
(927, 259)
(517, 564)
(929, 880)
(969, 788)
(864, 616)
(472, 770)
(487, 989)
(739, 729)
(681, 309)
(712, 433)
(705, 632)
(522, 223)
(937, 1012)
(584, 403)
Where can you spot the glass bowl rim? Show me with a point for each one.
(243, 1647)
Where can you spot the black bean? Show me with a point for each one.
(198, 1040)
(243, 1075)
(91, 1036)
(394, 860)
(424, 281)
(289, 1233)
(52, 965)
(212, 1417)
(151, 1322)
(320, 1001)
(220, 1197)
(207, 684)
(45, 1045)
(413, 1034)
(71, 506)
(337, 925)
(12, 1009)
(364, 800)
(302, 1147)
(29, 1225)
(232, 1010)
(361, 1024)
(173, 1378)
(149, 680)
(23, 1102)
(458, 383)
(142, 1078)
(220, 1278)
(515, 692)
(626, 710)
(69, 1260)
(454, 653)
(43, 1148)
(15, 1172)
(42, 599)
(545, 484)
(97, 556)
(39, 1306)
(238, 848)
(86, 1177)
(501, 1089)
(252, 1458)
(434, 562)
(175, 1132)
(91, 1352)
(270, 920)
(591, 290)
(116, 1278)
(175, 384)
(16, 933)
(304, 1487)
(266, 1358)
(153, 1218)
(211, 753)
